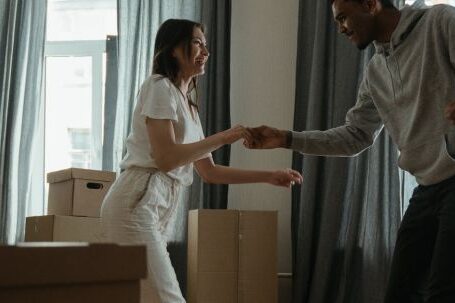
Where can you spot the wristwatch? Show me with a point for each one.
(288, 139)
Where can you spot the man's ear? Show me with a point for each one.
(373, 6)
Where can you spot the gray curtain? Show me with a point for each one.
(346, 215)
(22, 34)
(214, 109)
(138, 22)
(214, 112)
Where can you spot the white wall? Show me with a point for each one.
(263, 62)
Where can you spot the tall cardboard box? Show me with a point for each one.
(78, 192)
(63, 228)
(232, 256)
(71, 273)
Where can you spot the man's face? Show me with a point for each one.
(356, 20)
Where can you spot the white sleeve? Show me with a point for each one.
(158, 100)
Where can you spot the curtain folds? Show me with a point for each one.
(22, 38)
(138, 22)
(345, 217)
(215, 97)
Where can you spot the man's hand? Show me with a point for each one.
(265, 137)
(450, 112)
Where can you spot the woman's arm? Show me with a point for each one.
(169, 155)
(212, 173)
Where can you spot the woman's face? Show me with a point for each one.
(193, 64)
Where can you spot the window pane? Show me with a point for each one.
(68, 112)
(81, 19)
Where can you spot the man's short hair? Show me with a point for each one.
(385, 3)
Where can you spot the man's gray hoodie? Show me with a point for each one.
(406, 86)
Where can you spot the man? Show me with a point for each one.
(408, 87)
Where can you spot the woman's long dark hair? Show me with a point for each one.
(171, 34)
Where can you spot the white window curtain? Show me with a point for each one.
(21, 58)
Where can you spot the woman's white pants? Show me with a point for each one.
(137, 210)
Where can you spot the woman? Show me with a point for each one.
(166, 140)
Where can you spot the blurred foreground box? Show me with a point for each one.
(71, 272)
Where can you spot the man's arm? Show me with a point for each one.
(362, 127)
(448, 22)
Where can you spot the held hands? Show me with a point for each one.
(234, 134)
(265, 137)
(285, 177)
(262, 137)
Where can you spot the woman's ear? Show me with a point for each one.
(177, 52)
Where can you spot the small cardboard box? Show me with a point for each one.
(78, 192)
(63, 228)
(232, 256)
(71, 272)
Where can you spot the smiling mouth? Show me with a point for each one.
(349, 35)
(200, 61)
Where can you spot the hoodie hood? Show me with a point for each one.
(408, 19)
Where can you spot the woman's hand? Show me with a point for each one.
(285, 177)
(234, 134)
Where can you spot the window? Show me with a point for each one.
(74, 83)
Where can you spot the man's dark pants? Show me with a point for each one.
(423, 266)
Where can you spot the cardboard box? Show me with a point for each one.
(71, 272)
(78, 192)
(232, 256)
(63, 228)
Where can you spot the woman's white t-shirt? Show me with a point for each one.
(159, 98)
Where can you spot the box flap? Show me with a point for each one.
(80, 173)
(258, 250)
(258, 257)
(212, 256)
(218, 240)
(63, 263)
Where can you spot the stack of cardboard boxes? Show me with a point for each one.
(74, 204)
(65, 268)
(232, 254)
